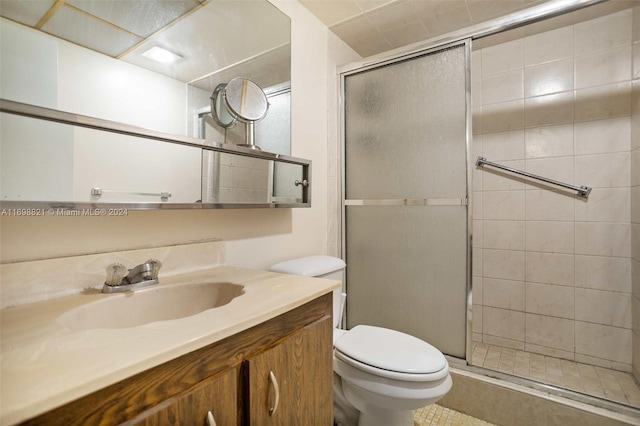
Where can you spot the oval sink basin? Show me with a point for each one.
(163, 303)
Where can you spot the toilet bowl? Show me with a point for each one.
(380, 375)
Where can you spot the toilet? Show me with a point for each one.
(380, 375)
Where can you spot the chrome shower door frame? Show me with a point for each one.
(467, 201)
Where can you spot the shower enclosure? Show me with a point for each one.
(550, 285)
(406, 196)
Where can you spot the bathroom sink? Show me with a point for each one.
(160, 303)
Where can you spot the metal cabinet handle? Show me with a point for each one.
(304, 183)
(274, 382)
(210, 420)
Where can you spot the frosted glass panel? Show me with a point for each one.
(405, 137)
(406, 270)
(405, 129)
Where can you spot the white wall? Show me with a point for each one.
(255, 238)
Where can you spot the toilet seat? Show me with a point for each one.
(391, 354)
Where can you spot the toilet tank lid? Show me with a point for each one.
(310, 266)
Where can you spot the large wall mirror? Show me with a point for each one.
(77, 61)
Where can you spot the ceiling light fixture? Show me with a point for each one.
(161, 55)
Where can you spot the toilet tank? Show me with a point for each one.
(319, 266)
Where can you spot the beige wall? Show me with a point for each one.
(635, 191)
(552, 272)
(255, 238)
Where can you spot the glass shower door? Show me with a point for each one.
(405, 197)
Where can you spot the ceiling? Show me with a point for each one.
(205, 33)
(124, 29)
(375, 26)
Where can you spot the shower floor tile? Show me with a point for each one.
(435, 414)
(605, 383)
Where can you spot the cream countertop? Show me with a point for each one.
(45, 365)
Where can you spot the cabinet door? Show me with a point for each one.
(218, 394)
(302, 367)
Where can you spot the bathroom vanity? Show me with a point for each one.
(262, 358)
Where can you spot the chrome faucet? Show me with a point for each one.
(121, 279)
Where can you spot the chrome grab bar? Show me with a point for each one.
(582, 191)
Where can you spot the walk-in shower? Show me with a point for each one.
(547, 277)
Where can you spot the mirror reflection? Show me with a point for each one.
(92, 60)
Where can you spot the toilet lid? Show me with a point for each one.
(390, 350)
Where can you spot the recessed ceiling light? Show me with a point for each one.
(161, 55)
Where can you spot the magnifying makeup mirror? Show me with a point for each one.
(242, 100)
(219, 111)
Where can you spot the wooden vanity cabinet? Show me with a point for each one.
(230, 378)
(288, 383)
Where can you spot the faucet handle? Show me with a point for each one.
(155, 268)
(115, 274)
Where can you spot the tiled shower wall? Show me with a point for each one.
(551, 271)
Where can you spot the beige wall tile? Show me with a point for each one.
(548, 46)
(603, 239)
(548, 109)
(602, 102)
(503, 323)
(603, 136)
(548, 78)
(603, 307)
(503, 57)
(548, 205)
(558, 168)
(476, 120)
(556, 333)
(609, 66)
(503, 116)
(544, 350)
(635, 58)
(503, 264)
(635, 239)
(502, 87)
(603, 33)
(603, 170)
(477, 290)
(635, 167)
(505, 294)
(603, 273)
(504, 234)
(550, 237)
(605, 342)
(478, 229)
(477, 319)
(478, 260)
(498, 180)
(503, 205)
(549, 141)
(605, 205)
(503, 145)
(550, 268)
(635, 97)
(552, 300)
(502, 342)
(478, 198)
